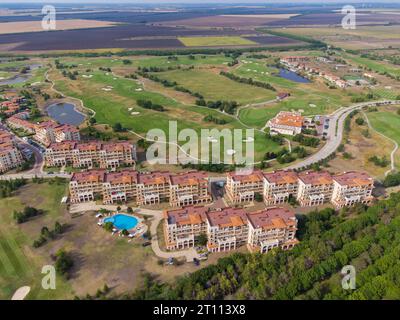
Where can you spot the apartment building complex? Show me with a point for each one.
(279, 186)
(153, 187)
(311, 188)
(45, 132)
(182, 226)
(189, 188)
(315, 188)
(48, 132)
(120, 186)
(352, 187)
(143, 188)
(86, 186)
(243, 187)
(272, 228)
(10, 156)
(288, 123)
(229, 228)
(90, 154)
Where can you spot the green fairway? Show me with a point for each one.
(387, 123)
(20, 264)
(114, 106)
(377, 66)
(216, 87)
(215, 41)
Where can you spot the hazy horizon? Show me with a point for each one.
(202, 2)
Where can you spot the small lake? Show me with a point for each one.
(292, 76)
(20, 78)
(65, 113)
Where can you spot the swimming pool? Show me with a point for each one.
(122, 221)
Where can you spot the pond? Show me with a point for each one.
(20, 78)
(292, 76)
(65, 113)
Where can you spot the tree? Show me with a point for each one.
(360, 121)
(108, 226)
(58, 228)
(202, 239)
(258, 197)
(117, 127)
(63, 262)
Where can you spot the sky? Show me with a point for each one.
(203, 1)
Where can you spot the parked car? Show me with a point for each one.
(146, 244)
(196, 261)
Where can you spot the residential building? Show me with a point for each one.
(120, 187)
(153, 187)
(17, 122)
(49, 131)
(271, 228)
(227, 229)
(90, 154)
(279, 186)
(350, 188)
(182, 226)
(10, 155)
(315, 188)
(86, 186)
(288, 123)
(243, 187)
(189, 188)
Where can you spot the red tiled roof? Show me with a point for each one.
(272, 218)
(227, 217)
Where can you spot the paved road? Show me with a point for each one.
(335, 132)
(22, 144)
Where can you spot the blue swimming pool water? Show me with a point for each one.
(122, 221)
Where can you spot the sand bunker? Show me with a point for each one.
(21, 293)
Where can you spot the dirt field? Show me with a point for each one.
(36, 26)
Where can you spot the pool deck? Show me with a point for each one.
(157, 216)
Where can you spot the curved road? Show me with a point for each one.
(335, 132)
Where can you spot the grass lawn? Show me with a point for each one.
(387, 123)
(313, 98)
(362, 148)
(20, 264)
(215, 41)
(216, 87)
(377, 66)
(113, 106)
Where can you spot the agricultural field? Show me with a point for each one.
(371, 37)
(215, 41)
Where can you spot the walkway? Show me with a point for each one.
(396, 146)
(156, 215)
